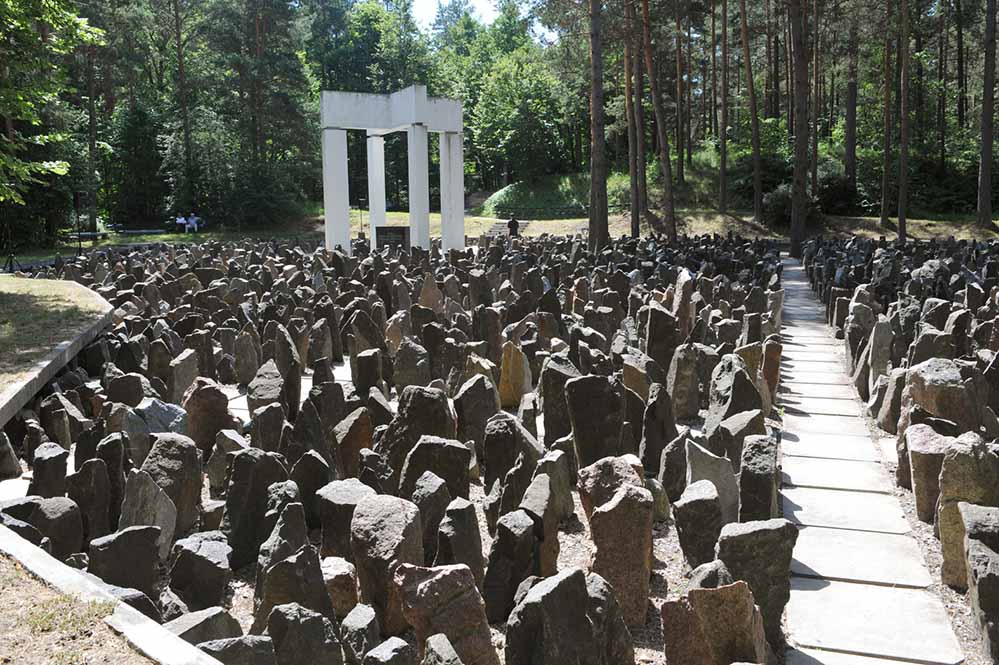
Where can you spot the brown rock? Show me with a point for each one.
(444, 599)
(622, 535)
(515, 376)
(384, 533)
(714, 627)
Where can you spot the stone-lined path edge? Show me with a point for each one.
(859, 586)
(14, 396)
(144, 635)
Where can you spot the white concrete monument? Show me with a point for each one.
(408, 110)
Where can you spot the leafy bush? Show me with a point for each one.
(265, 193)
(136, 188)
(619, 192)
(835, 195)
(777, 208)
(953, 189)
(775, 171)
(545, 197)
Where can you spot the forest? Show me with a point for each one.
(785, 109)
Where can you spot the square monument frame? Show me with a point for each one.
(411, 111)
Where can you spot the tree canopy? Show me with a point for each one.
(159, 107)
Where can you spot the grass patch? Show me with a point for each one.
(961, 227)
(65, 614)
(307, 229)
(37, 314)
(475, 225)
(568, 196)
(545, 197)
(40, 626)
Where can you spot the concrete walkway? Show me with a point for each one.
(858, 582)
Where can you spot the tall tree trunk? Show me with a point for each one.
(629, 111)
(886, 135)
(188, 194)
(598, 148)
(768, 80)
(690, 86)
(657, 107)
(736, 109)
(962, 75)
(942, 78)
(988, 112)
(680, 132)
(753, 117)
(898, 73)
(831, 100)
(723, 128)
(850, 154)
(130, 74)
(806, 26)
(903, 133)
(816, 100)
(917, 31)
(91, 141)
(714, 73)
(789, 71)
(639, 110)
(775, 102)
(705, 122)
(259, 86)
(799, 200)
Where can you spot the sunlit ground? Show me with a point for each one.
(36, 315)
(689, 222)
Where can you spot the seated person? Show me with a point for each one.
(181, 224)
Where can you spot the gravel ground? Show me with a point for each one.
(241, 600)
(670, 574)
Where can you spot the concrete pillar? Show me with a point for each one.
(452, 191)
(376, 184)
(419, 186)
(336, 190)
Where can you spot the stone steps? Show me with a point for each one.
(859, 587)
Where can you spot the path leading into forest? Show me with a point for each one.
(859, 591)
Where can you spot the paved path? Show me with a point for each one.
(858, 582)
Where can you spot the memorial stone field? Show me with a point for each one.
(287, 455)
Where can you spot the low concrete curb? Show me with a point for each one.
(145, 635)
(19, 393)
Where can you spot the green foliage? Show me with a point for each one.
(265, 193)
(214, 176)
(33, 75)
(777, 205)
(254, 70)
(49, 196)
(775, 169)
(549, 197)
(556, 196)
(619, 192)
(249, 151)
(515, 125)
(137, 188)
(835, 195)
